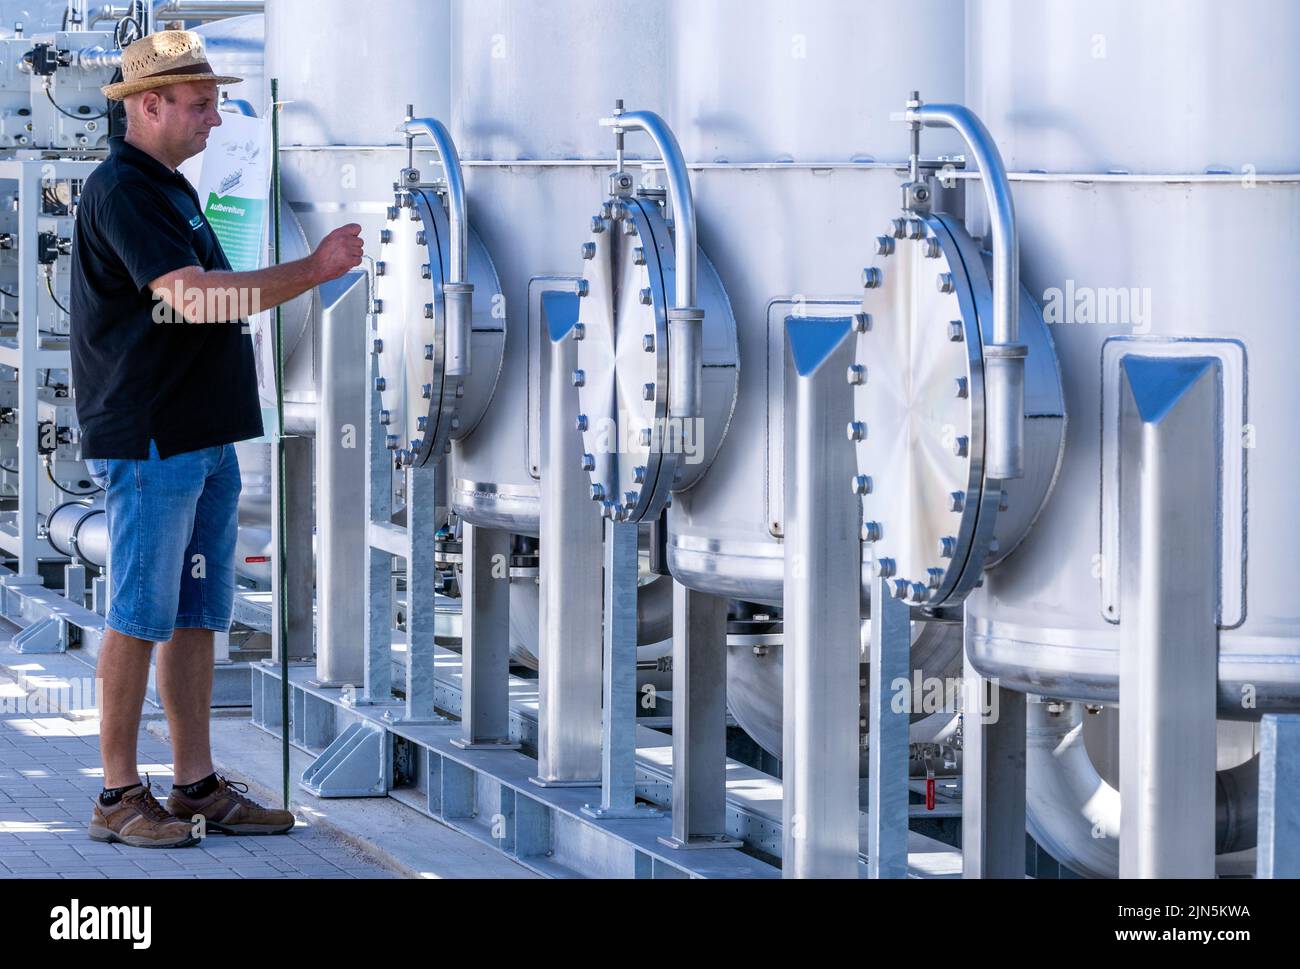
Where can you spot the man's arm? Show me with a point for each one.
(217, 296)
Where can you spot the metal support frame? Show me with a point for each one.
(29, 356)
(488, 794)
(699, 721)
(421, 590)
(1169, 563)
(74, 582)
(823, 556)
(993, 776)
(377, 582)
(887, 733)
(1278, 849)
(340, 481)
(569, 661)
(485, 639)
(619, 698)
(295, 492)
(415, 544)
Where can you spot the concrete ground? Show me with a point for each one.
(50, 770)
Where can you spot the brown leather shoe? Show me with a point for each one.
(227, 810)
(137, 819)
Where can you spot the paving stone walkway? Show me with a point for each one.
(50, 770)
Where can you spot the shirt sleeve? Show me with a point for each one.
(145, 232)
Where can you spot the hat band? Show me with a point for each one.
(201, 68)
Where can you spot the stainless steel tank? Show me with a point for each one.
(525, 119)
(342, 103)
(236, 46)
(1158, 200)
(784, 113)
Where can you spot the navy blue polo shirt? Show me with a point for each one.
(185, 385)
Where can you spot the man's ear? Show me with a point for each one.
(151, 104)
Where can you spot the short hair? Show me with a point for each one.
(132, 101)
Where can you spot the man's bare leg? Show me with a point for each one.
(123, 672)
(185, 687)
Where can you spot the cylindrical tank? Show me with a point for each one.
(1156, 157)
(342, 103)
(536, 160)
(235, 47)
(783, 110)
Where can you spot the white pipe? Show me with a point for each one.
(1075, 815)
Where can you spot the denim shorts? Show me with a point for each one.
(172, 526)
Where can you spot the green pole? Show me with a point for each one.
(281, 524)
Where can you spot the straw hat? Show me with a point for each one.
(166, 57)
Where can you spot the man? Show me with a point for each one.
(163, 390)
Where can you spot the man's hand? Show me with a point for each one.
(338, 252)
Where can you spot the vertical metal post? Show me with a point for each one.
(887, 733)
(29, 341)
(1278, 850)
(569, 661)
(377, 585)
(1169, 563)
(341, 481)
(293, 487)
(993, 776)
(823, 568)
(618, 730)
(421, 590)
(699, 721)
(221, 648)
(485, 640)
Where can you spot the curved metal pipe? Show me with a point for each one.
(457, 292)
(1005, 357)
(685, 319)
(679, 185)
(437, 132)
(1075, 815)
(238, 106)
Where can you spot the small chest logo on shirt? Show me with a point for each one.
(196, 222)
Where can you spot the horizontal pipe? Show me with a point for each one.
(1075, 814)
(204, 9)
(1158, 178)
